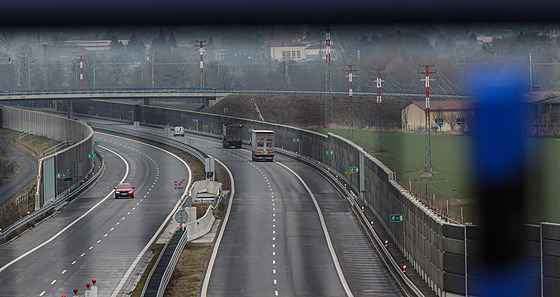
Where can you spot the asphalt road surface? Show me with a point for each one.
(27, 171)
(274, 244)
(97, 237)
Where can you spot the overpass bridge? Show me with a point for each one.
(206, 96)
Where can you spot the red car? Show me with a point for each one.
(124, 190)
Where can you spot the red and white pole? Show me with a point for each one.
(81, 72)
(201, 49)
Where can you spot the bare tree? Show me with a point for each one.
(8, 41)
(404, 115)
(451, 119)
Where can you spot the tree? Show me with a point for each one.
(171, 41)
(451, 119)
(8, 41)
(116, 46)
(160, 43)
(135, 49)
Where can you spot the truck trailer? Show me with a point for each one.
(232, 135)
(262, 145)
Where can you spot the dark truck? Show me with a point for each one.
(232, 135)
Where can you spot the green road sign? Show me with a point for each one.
(250, 129)
(353, 169)
(96, 143)
(195, 120)
(61, 175)
(295, 139)
(91, 156)
(396, 218)
(130, 111)
(328, 152)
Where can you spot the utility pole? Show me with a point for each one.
(351, 103)
(81, 60)
(530, 72)
(428, 140)
(328, 82)
(379, 120)
(201, 49)
(45, 70)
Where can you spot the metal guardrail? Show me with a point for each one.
(350, 197)
(37, 215)
(208, 92)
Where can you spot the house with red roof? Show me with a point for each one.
(445, 115)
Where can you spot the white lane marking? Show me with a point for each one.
(206, 281)
(127, 214)
(274, 253)
(90, 247)
(326, 232)
(273, 238)
(273, 231)
(83, 254)
(105, 234)
(275, 282)
(276, 293)
(273, 245)
(112, 228)
(42, 293)
(273, 262)
(63, 272)
(99, 241)
(118, 223)
(145, 249)
(71, 224)
(73, 263)
(53, 282)
(273, 270)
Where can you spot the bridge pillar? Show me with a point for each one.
(146, 101)
(206, 102)
(70, 104)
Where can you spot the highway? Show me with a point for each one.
(274, 243)
(97, 236)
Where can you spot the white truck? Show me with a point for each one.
(262, 145)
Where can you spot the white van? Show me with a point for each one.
(179, 131)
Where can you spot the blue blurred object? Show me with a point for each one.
(500, 170)
(500, 146)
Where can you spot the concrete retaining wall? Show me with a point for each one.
(72, 160)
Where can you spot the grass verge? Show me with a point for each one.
(33, 145)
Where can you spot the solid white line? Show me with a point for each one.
(163, 225)
(326, 232)
(206, 281)
(71, 224)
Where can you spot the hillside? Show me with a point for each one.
(308, 111)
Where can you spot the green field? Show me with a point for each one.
(451, 164)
